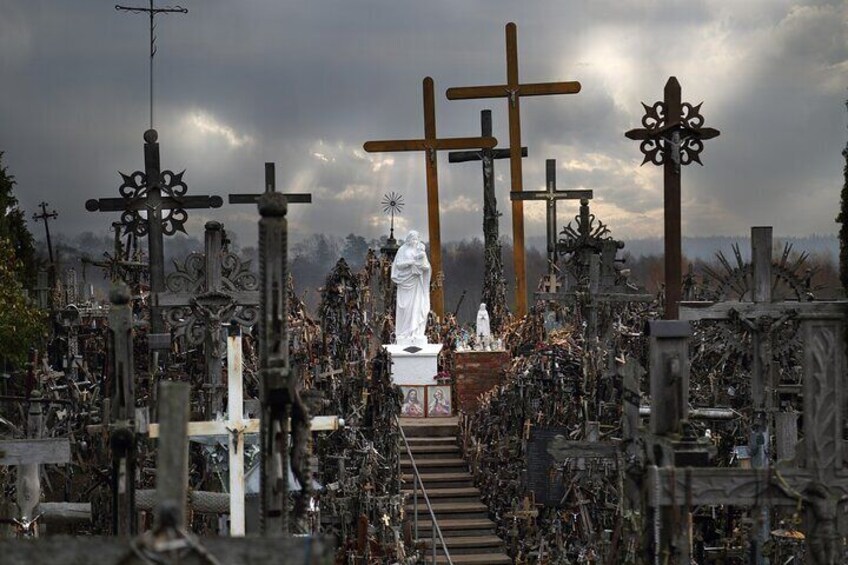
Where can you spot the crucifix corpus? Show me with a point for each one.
(430, 144)
(493, 286)
(672, 135)
(144, 198)
(513, 91)
(550, 196)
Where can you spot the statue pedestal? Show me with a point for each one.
(414, 369)
(414, 364)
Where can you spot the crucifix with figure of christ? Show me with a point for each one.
(673, 135)
(513, 91)
(430, 144)
(550, 195)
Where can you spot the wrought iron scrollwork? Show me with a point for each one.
(135, 190)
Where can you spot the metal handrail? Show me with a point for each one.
(416, 481)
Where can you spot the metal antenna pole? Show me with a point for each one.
(152, 12)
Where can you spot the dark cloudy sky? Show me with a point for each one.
(305, 82)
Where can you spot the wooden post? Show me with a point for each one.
(172, 462)
(235, 414)
(669, 370)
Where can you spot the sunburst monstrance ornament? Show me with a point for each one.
(392, 204)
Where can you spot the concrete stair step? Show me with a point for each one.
(430, 441)
(450, 510)
(443, 464)
(457, 493)
(463, 545)
(429, 427)
(436, 451)
(454, 527)
(441, 480)
(475, 558)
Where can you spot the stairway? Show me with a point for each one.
(463, 519)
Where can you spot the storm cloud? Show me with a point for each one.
(305, 83)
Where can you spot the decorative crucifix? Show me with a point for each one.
(430, 144)
(673, 135)
(235, 427)
(207, 291)
(550, 195)
(28, 455)
(151, 193)
(116, 264)
(152, 12)
(493, 278)
(270, 186)
(513, 91)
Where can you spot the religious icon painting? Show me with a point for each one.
(439, 401)
(413, 401)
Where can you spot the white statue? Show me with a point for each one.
(484, 331)
(411, 274)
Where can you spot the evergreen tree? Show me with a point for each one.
(842, 218)
(22, 325)
(14, 230)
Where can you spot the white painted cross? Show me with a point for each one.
(235, 427)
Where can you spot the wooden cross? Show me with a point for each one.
(430, 144)
(28, 455)
(153, 192)
(550, 195)
(513, 91)
(235, 427)
(493, 291)
(202, 296)
(818, 477)
(45, 216)
(672, 136)
(116, 262)
(270, 186)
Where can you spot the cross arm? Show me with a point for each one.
(463, 156)
(545, 88)
(556, 195)
(35, 451)
(425, 144)
(734, 487)
(251, 426)
(476, 92)
(694, 311)
(291, 198)
(121, 204)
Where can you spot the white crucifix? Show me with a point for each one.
(236, 426)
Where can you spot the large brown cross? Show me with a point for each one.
(430, 145)
(513, 91)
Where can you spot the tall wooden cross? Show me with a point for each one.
(513, 91)
(430, 144)
(45, 216)
(550, 195)
(207, 291)
(493, 287)
(672, 136)
(152, 192)
(270, 186)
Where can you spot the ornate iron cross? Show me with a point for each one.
(673, 135)
(144, 197)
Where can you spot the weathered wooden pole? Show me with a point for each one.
(172, 462)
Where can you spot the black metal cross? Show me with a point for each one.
(270, 186)
(551, 195)
(151, 192)
(672, 136)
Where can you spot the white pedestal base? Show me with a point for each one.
(414, 364)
